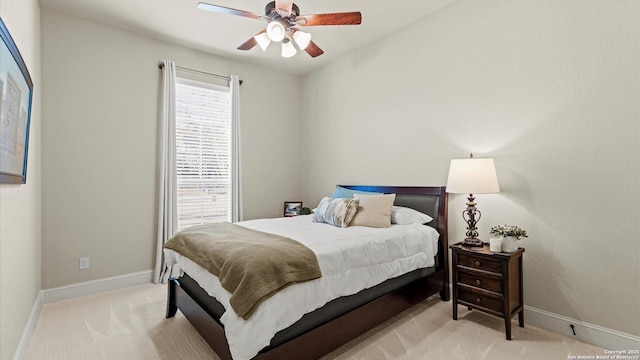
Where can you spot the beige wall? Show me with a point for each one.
(101, 87)
(549, 89)
(20, 204)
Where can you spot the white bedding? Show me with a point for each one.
(351, 259)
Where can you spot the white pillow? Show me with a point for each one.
(401, 215)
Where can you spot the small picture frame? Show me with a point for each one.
(292, 208)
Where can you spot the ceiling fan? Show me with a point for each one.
(283, 17)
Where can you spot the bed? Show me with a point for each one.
(342, 319)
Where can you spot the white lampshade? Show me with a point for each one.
(472, 176)
(288, 50)
(275, 31)
(263, 40)
(302, 39)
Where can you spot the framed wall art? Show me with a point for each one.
(16, 91)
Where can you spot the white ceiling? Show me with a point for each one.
(178, 21)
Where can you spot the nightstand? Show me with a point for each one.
(489, 282)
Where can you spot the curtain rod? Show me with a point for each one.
(161, 65)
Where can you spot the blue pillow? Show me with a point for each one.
(342, 193)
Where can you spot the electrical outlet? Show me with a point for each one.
(84, 263)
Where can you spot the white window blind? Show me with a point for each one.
(203, 153)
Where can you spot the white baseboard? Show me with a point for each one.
(97, 286)
(606, 338)
(596, 335)
(23, 345)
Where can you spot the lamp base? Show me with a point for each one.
(472, 242)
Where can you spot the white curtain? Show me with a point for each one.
(236, 183)
(167, 183)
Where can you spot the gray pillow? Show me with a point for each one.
(336, 212)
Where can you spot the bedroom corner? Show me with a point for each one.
(20, 205)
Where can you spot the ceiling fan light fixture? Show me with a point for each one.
(288, 50)
(276, 31)
(263, 40)
(302, 39)
(282, 18)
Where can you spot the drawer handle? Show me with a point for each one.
(478, 282)
(478, 300)
(477, 262)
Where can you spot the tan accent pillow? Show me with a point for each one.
(374, 210)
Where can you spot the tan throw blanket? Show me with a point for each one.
(251, 265)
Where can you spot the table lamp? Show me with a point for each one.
(472, 176)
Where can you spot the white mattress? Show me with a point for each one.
(351, 259)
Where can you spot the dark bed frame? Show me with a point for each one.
(329, 336)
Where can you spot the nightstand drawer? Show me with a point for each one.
(480, 281)
(481, 300)
(480, 263)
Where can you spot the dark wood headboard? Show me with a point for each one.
(431, 200)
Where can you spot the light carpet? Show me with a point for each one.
(130, 324)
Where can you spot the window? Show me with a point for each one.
(203, 153)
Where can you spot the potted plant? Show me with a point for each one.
(510, 234)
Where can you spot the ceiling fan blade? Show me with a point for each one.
(313, 49)
(348, 18)
(283, 7)
(249, 44)
(230, 11)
